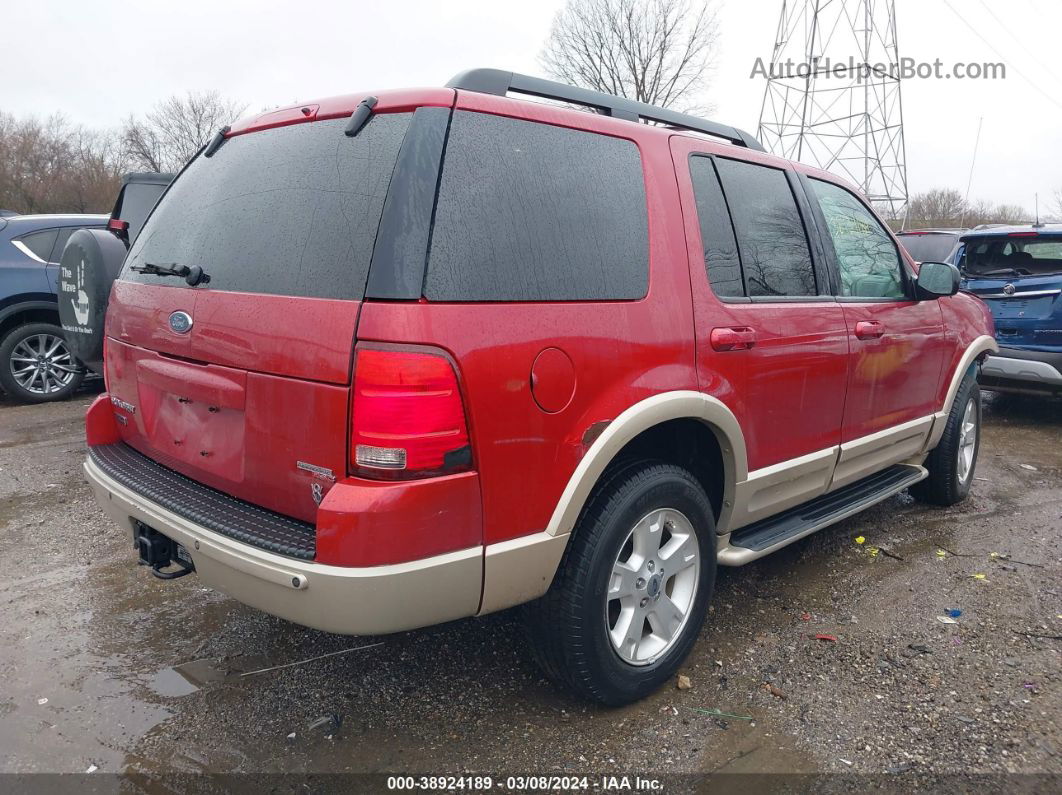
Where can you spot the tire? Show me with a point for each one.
(571, 628)
(952, 462)
(57, 378)
(88, 266)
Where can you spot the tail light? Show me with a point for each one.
(407, 418)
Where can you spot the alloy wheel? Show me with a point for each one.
(967, 441)
(653, 586)
(42, 365)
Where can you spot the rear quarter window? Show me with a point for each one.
(534, 212)
(40, 244)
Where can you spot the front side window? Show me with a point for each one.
(867, 258)
(535, 212)
(770, 232)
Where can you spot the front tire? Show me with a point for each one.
(36, 365)
(632, 591)
(952, 462)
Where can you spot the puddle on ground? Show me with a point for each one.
(189, 677)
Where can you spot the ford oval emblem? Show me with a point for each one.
(180, 322)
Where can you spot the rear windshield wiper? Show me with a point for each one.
(997, 272)
(193, 275)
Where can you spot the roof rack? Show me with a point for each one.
(500, 82)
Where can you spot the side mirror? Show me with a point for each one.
(936, 280)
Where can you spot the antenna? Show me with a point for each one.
(969, 182)
(842, 109)
(1037, 199)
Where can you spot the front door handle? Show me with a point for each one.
(869, 330)
(733, 338)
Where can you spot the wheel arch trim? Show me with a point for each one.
(18, 308)
(642, 416)
(981, 345)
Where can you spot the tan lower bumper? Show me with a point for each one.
(349, 601)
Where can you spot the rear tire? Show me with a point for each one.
(952, 462)
(36, 365)
(632, 591)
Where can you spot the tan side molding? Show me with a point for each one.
(519, 570)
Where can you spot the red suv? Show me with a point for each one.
(381, 362)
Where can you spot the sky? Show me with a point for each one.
(98, 62)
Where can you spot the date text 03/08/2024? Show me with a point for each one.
(473, 783)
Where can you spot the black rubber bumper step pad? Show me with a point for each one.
(819, 511)
(207, 507)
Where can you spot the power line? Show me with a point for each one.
(992, 47)
(1010, 33)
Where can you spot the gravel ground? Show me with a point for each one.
(143, 677)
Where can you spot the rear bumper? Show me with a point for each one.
(346, 600)
(1022, 370)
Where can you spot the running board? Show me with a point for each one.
(764, 537)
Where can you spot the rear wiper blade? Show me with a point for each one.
(193, 275)
(167, 269)
(360, 116)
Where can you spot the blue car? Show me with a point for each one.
(35, 364)
(1017, 271)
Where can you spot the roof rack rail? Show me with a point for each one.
(500, 83)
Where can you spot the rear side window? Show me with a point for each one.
(288, 211)
(867, 259)
(770, 232)
(534, 212)
(717, 232)
(39, 244)
(61, 241)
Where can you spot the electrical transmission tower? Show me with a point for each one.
(833, 95)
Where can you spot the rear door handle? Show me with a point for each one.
(733, 338)
(869, 330)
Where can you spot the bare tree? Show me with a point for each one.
(52, 166)
(946, 208)
(174, 130)
(983, 212)
(1057, 209)
(655, 51)
(939, 207)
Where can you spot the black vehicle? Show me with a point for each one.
(140, 191)
(78, 310)
(931, 245)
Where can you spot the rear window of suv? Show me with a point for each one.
(535, 212)
(288, 211)
(1013, 256)
(929, 246)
